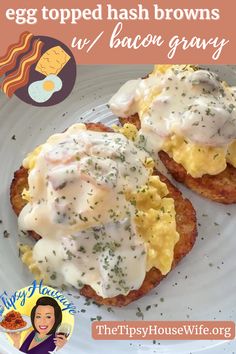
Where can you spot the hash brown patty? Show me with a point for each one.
(185, 225)
(219, 188)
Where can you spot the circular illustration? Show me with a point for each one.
(39, 326)
(40, 70)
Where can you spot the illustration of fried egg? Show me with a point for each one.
(40, 91)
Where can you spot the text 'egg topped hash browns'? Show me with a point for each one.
(105, 221)
(188, 116)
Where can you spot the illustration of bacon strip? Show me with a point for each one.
(8, 61)
(20, 76)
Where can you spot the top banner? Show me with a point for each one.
(124, 32)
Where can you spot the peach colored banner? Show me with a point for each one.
(163, 330)
(161, 31)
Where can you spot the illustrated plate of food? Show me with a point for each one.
(14, 322)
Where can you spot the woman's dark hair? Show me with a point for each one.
(48, 301)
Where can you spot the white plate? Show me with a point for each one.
(27, 326)
(202, 287)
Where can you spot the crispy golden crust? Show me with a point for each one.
(220, 188)
(133, 120)
(185, 221)
(19, 182)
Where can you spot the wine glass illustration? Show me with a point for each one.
(64, 329)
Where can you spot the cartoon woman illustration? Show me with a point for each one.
(46, 317)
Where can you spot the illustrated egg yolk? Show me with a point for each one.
(48, 85)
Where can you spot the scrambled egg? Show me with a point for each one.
(154, 218)
(128, 130)
(29, 163)
(195, 158)
(186, 111)
(199, 159)
(30, 160)
(26, 255)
